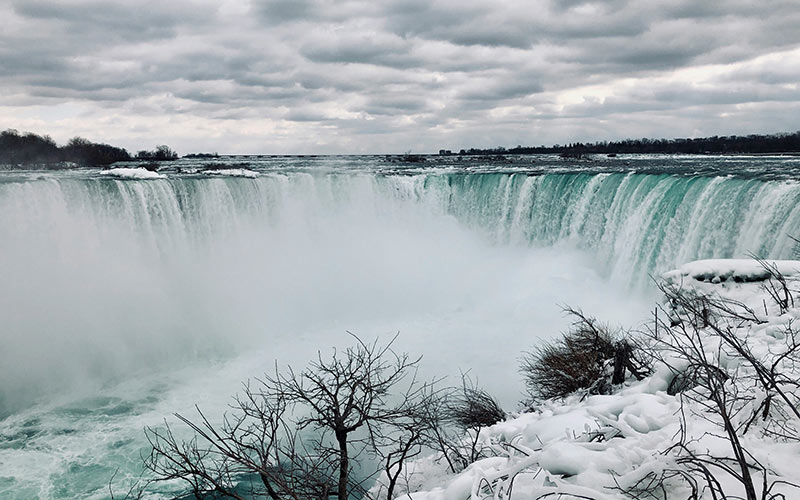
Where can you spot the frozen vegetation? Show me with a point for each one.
(718, 417)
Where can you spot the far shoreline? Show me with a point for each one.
(59, 166)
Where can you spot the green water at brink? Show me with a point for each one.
(636, 225)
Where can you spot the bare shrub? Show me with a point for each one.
(471, 407)
(439, 433)
(588, 357)
(777, 285)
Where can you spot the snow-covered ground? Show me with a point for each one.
(597, 446)
(718, 271)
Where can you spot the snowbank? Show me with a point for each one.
(598, 446)
(740, 280)
(132, 173)
(737, 270)
(232, 172)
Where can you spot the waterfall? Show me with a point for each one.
(203, 265)
(124, 300)
(635, 224)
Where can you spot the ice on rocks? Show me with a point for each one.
(736, 270)
(132, 173)
(232, 172)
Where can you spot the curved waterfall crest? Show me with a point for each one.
(634, 224)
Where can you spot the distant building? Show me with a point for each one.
(445, 152)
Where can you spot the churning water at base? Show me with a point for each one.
(123, 301)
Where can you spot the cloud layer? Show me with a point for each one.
(353, 76)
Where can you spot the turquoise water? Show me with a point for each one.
(123, 301)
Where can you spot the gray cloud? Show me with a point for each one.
(371, 48)
(115, 21)
(356, 74)
(394, 105)
(281, 11)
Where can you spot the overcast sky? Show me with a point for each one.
(322, 76)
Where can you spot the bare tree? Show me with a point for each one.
(404, 440)
(255, 440)
(299, 435)
(352, 392)
(725, 319)
(439, 433)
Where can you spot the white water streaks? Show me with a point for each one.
(635, 225)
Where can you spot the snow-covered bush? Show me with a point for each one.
(732, 381)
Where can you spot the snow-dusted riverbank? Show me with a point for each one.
(641, 438)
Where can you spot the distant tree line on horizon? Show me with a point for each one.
(161, 153)
(753, 143)
(27, 149)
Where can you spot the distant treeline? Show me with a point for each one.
(777, 143)
(28, 149)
